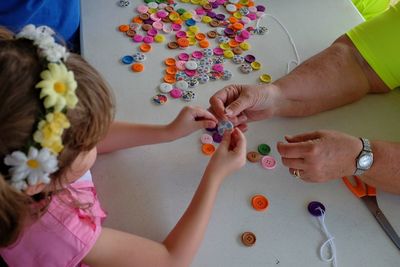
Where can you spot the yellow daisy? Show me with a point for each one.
(58, 87)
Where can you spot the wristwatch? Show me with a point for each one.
(365, 159)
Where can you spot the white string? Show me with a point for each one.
(329, 242)
(295, 62)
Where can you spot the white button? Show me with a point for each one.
(233, 1)
(191, 65)
(152, 5)
(231, 8)
(183, 85)
(165, 87)
(220, 30)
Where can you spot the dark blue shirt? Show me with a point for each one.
(61, 15)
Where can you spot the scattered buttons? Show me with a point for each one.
(248, 239)
(259, 202)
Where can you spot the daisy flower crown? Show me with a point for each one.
(57, 91)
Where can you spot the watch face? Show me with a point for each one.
(365, 161)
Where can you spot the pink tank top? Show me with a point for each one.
(62, 236)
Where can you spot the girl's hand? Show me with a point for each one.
(191, 119)
(230, 155)
(320, 156)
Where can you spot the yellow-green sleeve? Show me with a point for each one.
(378, 41)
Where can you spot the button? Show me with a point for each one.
(145, 48)
(160, 99)
(200, 36)
(137, 38)
(265, 78)
(190, 73)
(180, 65)
(206, 139)
(248, 239)
(139, 57)
(256, 65)
(268, 162)
(123, 3)
(171, 70)
(188, 96)
(123, 28)
(211, 34)
(253, 156)
(183, 42)
(246, 68)
(170, 61)
(169, 78)
(137, 67)
(165, 87)
(197, 54)
(212, 129)
(231, 8)
(208, 149)
(218, 68)
(264, 149)
(176, 93)
(127, 59)
(237, 59)
(131, 33)
(204, 43)
(228, 54)
(217, 137)
(249, 58)
(173, 45)
(259, 202)
(159, 38)
(184, 56)
(315, 207)
(144, 16)
(183, 85)
(191, 65)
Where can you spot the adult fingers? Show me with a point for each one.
(296, 150)
(294, 163)
(303, 137)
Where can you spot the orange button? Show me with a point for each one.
(123, 28)
(183, 42)
(137, 20)
(204, 44)
(253, 156)
(208, 149)
(170, 61)
(233, 43)
(200, 36)
(145, 48)
(169, 78)
(137, 67)
(171, 70)
(259, 202)
(237, 26)
(233, 20)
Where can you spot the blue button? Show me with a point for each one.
(127, 59)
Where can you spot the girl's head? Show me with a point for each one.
(20, 110)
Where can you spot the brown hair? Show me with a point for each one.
(20, 108)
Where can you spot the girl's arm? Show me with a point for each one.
(123, 135)
(115, 248)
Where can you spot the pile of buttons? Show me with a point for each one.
(216, 135)
(262, 156)
(231, 31)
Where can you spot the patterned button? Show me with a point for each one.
(208, 52)
(203, 78)
(246, 68)
(165, 87)
(227, 75)
(160, 99)
(188, 96)
(139, 57)
(237, 59)
(191, 65)
(124, 3)
(193, 83)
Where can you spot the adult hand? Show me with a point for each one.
(244, 103)
(320, 156)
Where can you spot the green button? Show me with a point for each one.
(264, 149)
(180, 11)
(149, 1)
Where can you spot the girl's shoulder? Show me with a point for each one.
(65, 233)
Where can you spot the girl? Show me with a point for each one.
(55, 116)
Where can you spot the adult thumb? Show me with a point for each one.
(237, 106)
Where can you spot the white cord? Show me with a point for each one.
(289, 64)
(329, 242)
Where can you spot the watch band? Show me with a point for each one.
(366, 148)
(366, 144)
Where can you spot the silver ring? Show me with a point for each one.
(296, 173)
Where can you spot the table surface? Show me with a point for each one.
(145, 190)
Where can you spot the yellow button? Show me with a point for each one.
(256, 65)
(203, 2)
(152, 10)
(190, 34)
(243, 2)
(174, 16)
(192, 41)
(160, 38)
(228, 54)
(193, 29)
(185, 1)
(206, 19)
(195, 2)
(237, 15)
(225, 46)
(186, 16)
(245, 46)
(265, 78)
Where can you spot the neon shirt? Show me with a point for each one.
(378, 41)
(61, 15)
(371, 8)
(64, 234)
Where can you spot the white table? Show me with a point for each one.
(145, 190)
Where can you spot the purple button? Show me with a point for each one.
(315, 207)
(229, 31)
(137, 38)
(250, 58)
(261, 8)
(217, 137)
(218, 51)
(220, 17)
(148, 21)
(220, 2)
(176, 27)
(152, 32)
(184, 56)
(200, 11)
(245, 34)
(211, 14)
(214, 5)
(162, 14)
(148, 39)
(181, 34)
(252, 16)
(212, 129)
(197, 54)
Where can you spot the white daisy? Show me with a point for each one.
(31, 169)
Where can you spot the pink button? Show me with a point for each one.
(180, 65)
(176, 93)
(245, 20)
(176, 27)
(154, 17)
(206, 139)
(200, 11)
(253, 9)
(218, 51)
(148, 39)
(181, 34)
(252, 16)
(190, 73)
(137, 38)
(152, 32)
(158, 25)
(197, 54)
(142, 9)
(218, 68)
(268, 162)
(239, 39)
(184, 56)
(162, 14)
(245, 34)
